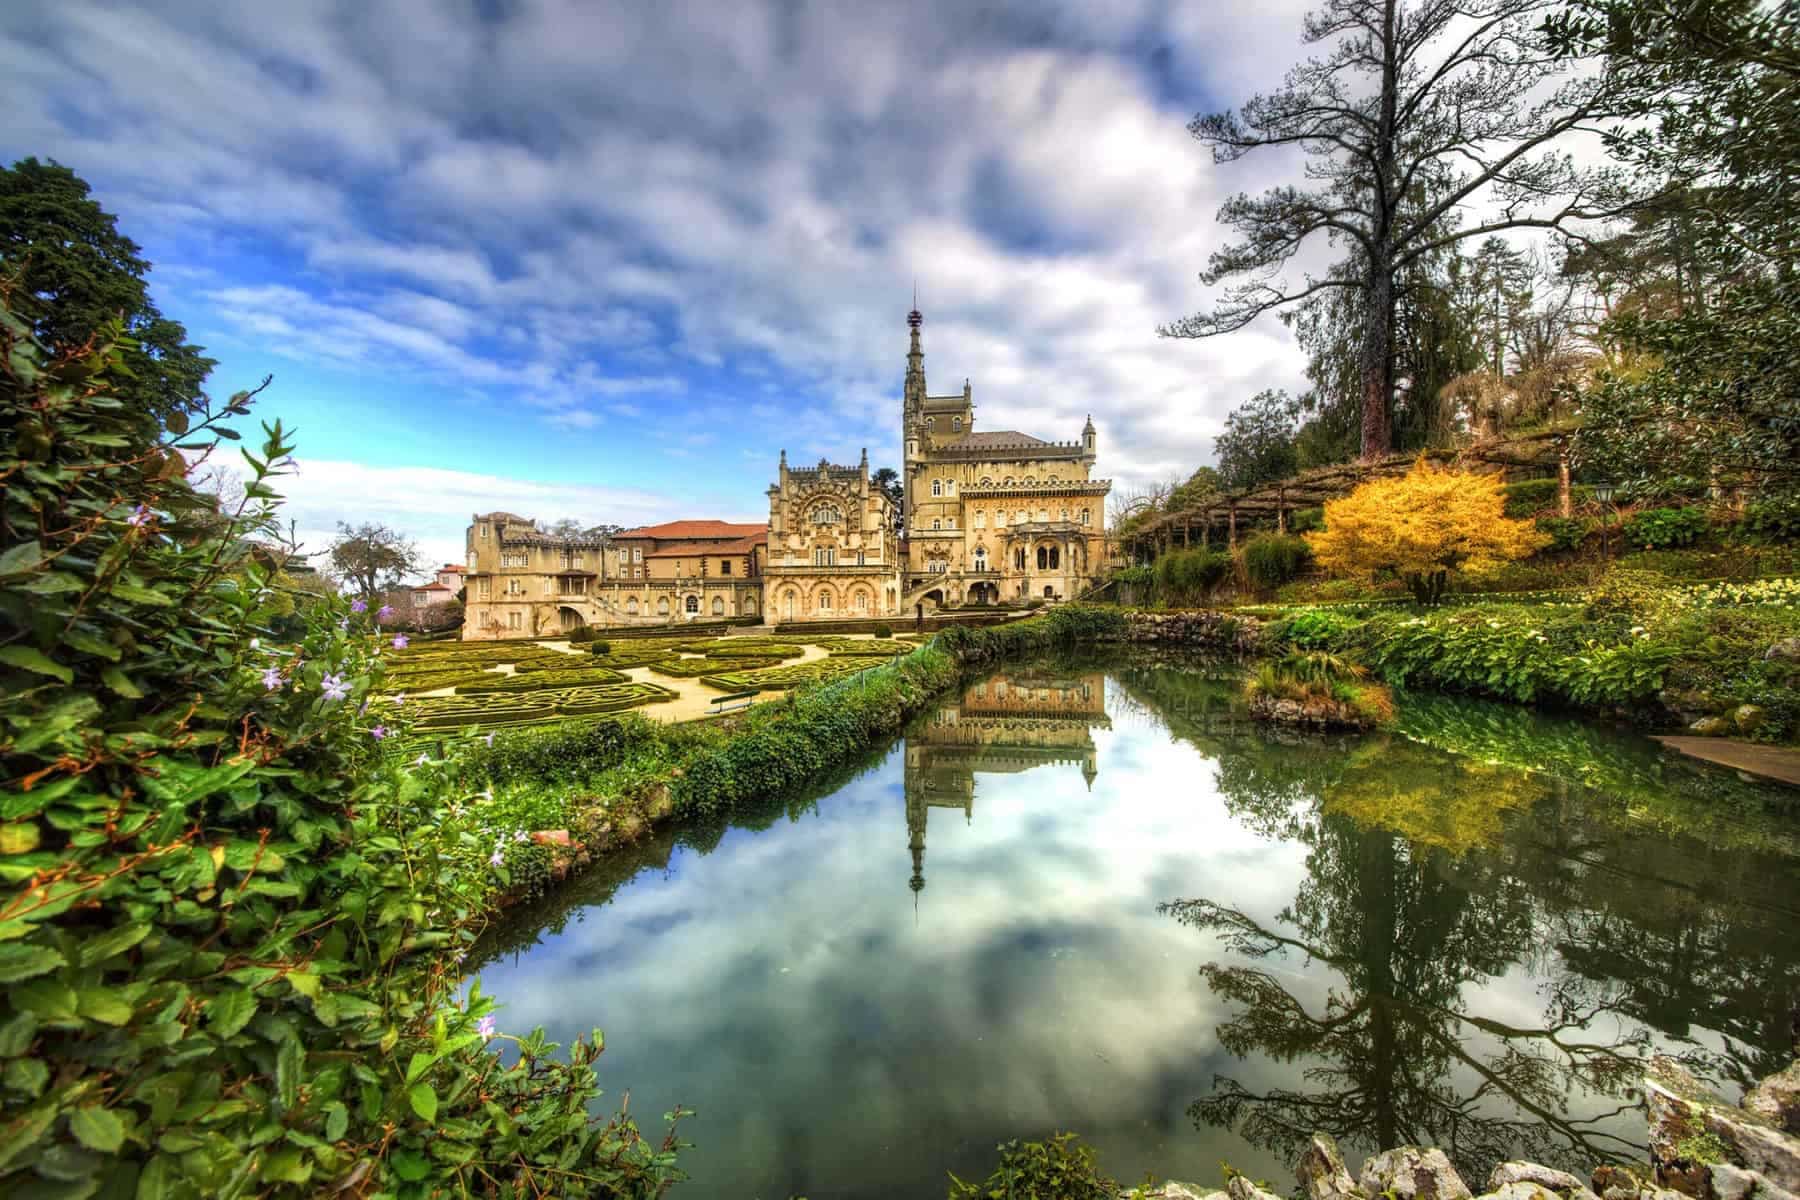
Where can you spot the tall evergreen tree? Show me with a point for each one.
(71, 272)
(1415, 112)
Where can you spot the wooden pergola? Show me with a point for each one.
(1272, 503)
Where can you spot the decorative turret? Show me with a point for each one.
(1089, 439)
(915, 365)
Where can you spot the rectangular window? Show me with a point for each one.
(725, 566)
(637, 554)
(546, 585)
(1084, 516)
(484, 531)
(421, 598)
(861, 558)
(825, 557)
(482, 589)
(981, 518)
(515, 620)
(937, 487)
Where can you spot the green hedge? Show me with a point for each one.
(533, 681)
(1273, 559)
(437, 712)
(768, 679)
(693, 668)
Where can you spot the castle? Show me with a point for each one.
(985, 517)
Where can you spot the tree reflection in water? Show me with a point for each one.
(1430, 876)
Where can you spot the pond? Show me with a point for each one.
(1092, 896)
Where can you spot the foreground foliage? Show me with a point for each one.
(228, 929)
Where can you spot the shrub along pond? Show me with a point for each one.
(1093, 894)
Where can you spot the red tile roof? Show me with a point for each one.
(711, 530)
(743, 545)
(458, 567)
(430, 587)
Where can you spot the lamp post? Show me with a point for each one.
(1603, 492)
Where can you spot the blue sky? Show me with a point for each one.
(606, 260)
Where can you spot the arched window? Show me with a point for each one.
(1055, 558)
(1043, 558)
(1019, 559)
(692, 605)
(981, 558)
(1043, 514)
(827, 514)
(631, 608)
(1084, 516)
(956, 423)
(718, 606)
(981, 518)
(862, 602)
(662, 606)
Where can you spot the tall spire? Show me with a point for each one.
(915, 360)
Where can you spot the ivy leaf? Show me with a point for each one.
(97, 1129)
(102, 1005)
(290, 1063)
(21, 558)
(424, 1100)
(121, 683)
(31, 659)
(113, 941)
(229, 1012)
(337, 1120)
(18, 961)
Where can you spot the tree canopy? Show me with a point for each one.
(72, 272)
(1420, 129)
(371, 557)
(1257, 446)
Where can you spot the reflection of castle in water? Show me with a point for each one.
(1003, 724)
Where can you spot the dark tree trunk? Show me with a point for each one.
(1377, 360)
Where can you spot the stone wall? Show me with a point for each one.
(1701, 1148)
(1203, 629)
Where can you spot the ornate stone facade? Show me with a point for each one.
(987, 517)
(994, 515)
(523, 582)
(832, 550)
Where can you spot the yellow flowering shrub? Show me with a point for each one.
(1422, 526)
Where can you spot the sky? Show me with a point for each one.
(605, 261)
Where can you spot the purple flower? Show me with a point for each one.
(334, 687)
(271, 679)
(385, 613)
(421, 760)
(400, 699)
(495, 858)
(344, 625)
(140, 516)
(359, 606)
(521, 836)
(379, 732)
(399, 641)
(485, 1026)
(489, 739)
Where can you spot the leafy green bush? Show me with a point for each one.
(1060, 1168)
(1306, 520)
(694, 668)
(1529, 497)
(1657, 528)
(1273, 559)
(1565, 533)
(1313, 629)
(1772, 521)
(734, 679)
(227, 936)
(585, 672)
(884, 631)
(1188, 576)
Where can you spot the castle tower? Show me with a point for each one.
(912, 422)
(1089, 440)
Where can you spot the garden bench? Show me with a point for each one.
(724, 704)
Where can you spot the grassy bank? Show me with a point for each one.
(1661, 653)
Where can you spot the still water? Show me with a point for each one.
(1094, 897)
